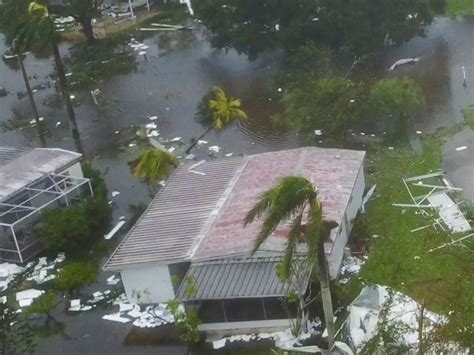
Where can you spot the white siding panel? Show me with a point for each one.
(149, 283)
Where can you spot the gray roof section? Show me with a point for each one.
(232, 278)
(7, 154)
(20, 167)
(178, 217)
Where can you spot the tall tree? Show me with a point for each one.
(39, 30)
(220, 110)
(83, 12)
(154, 165)
(18, 49)
(296, 197)
(359, 27)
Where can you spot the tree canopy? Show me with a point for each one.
(359, 27)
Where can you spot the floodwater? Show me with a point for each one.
(178, 70)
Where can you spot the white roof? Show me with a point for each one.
(20, 167)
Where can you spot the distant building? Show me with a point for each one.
(194, 227)
(31, 182)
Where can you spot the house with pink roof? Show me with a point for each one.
(193, 232)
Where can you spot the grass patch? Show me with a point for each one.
(400, 258)
(468, 114)
(460, 7)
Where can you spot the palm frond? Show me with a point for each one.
(294, 236)
(288, 198)
(154, 165)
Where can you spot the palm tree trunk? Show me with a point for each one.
(28, 88)
(326, 294)
(66, 97)
(199, 138)
(86, 23)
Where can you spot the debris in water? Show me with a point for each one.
(152, 118)
(419, 132)
(142, 53)
(362, 133)
(115, 193)
(72, 97)
(214, 148)
(201, 142)
(318, 132)
(59, 123)
(153, 133)
(404, 61)
(277, 27)
(176, 139)
(151, 125)
(390, 148)
(352, 101)
(228, 155)
(315, 19)
(219, 343)
(117, 132)
(115, 317)
(132, 144)
(113, 280)
(461, 148)
(280, 89)
(114, 230)
(167, 109)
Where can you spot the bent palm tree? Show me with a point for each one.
(223, 110)
(154, 165)
(39, 30)
(295, 197)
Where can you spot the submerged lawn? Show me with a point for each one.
(442, 279)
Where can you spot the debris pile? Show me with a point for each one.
(8, 272)
(366, 316)
(42, 271)
(150, 317)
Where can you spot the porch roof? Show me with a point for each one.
(247, 277)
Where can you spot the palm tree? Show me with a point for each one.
(223, 111)
(295, 197)
(39, 30)
(154, 165)
(18, 50)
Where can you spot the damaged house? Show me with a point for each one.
(31, 182)
(192, 232)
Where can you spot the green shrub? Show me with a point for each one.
(74, 276)
(74, 229)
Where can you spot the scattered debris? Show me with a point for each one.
(26, 297)
(176, 139)
(202, 142)
(190, 157)
(153, 118)
(113, 280)
(214, 148)
(419, 132)
(114, 230)
(404, 61)
(8, 272)
(459, 149)
(59, 123)
(228, 155)
(366, 310)
(115, 317)
(115, 193)
(318, 132)
(367, 197)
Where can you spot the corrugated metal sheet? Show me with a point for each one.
(7, 154)
(177, 218)
(232, 278)
(22, 167)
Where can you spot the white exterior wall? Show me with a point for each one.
(148, 283)
(337, 254)
(74, 170)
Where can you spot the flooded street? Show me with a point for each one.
(179, 69)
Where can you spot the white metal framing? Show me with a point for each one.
(58, 189)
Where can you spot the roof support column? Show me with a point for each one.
(264, 310)
(223, 310)
(16, 244)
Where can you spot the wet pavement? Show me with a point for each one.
(180, 67)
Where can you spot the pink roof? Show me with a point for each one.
(333, 172)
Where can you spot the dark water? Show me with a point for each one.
(180, 69)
